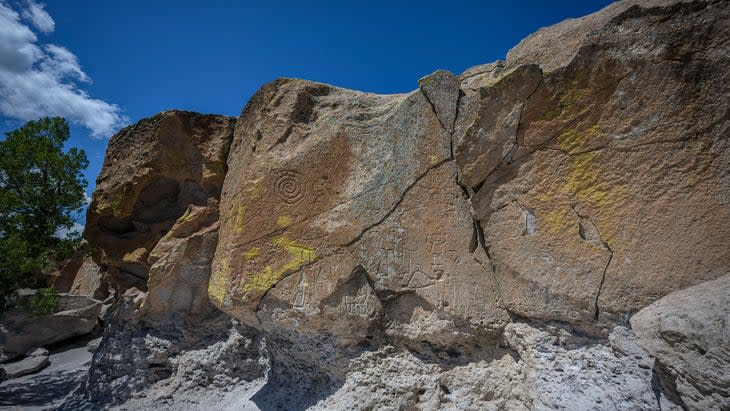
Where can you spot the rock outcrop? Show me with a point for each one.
(479, 243)
(543, 369)
(594, 212)
(152, 172)
(62, 279)
(688, 332)
(80, 275)
(21, 331)
(88, 281)
(28, 365)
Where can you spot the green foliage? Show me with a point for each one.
(41, 188)
(43, 302)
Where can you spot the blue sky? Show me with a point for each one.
(104, 64)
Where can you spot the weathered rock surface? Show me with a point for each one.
(22, 331)
(317, 186)
(550, 368)
(28, 365)
(688, 332)
(63, 278)
(88, 281)
(139, 353)
(178, 278)
(478, 243)
(615, 189)
(152, 172)
(47, 389)
(80, 275)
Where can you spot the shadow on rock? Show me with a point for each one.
(294, 388)
(43, 390)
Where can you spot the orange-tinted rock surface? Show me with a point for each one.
(152, 171)
(504, 223)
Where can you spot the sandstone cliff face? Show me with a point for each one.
(152, 172)
(500, 225)
(617, 166)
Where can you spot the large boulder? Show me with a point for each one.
(21, 331)
(341, 217)
(504, 222)
(600, 176)
(88, 281)
(688, 332)
(152, 172)
(28, 365)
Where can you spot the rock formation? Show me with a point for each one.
(544, 232)
(152, 173)
(687, 331)
(22, 331)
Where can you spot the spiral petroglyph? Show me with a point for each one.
(289, 186)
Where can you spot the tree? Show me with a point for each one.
(41, 188)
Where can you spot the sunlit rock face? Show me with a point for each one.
(610, 189)
(584, 177)
(152, 172)
(502, 224)
(338, 205)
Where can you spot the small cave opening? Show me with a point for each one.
(158, 201)
(120, 227)
(161, 200)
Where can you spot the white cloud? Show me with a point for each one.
(61, 62)
(38, 17)
(18, 51)
(41, 80)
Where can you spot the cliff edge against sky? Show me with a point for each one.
(544, 232)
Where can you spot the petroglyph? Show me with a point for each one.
(289, 186)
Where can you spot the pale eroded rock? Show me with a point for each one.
(688, 332)
(21, 331)
(28, 365)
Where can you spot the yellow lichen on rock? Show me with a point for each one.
(214, 169)
(283, 221)
(240, 216)
(251, 253)
(555, 220)
(252, 192)
(573, 141)
(300, 256)
(217, 283)
(584, 182)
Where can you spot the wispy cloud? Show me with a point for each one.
(39, 80)
(38, 17)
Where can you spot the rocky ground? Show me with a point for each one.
(544, 232)
(67, 369)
